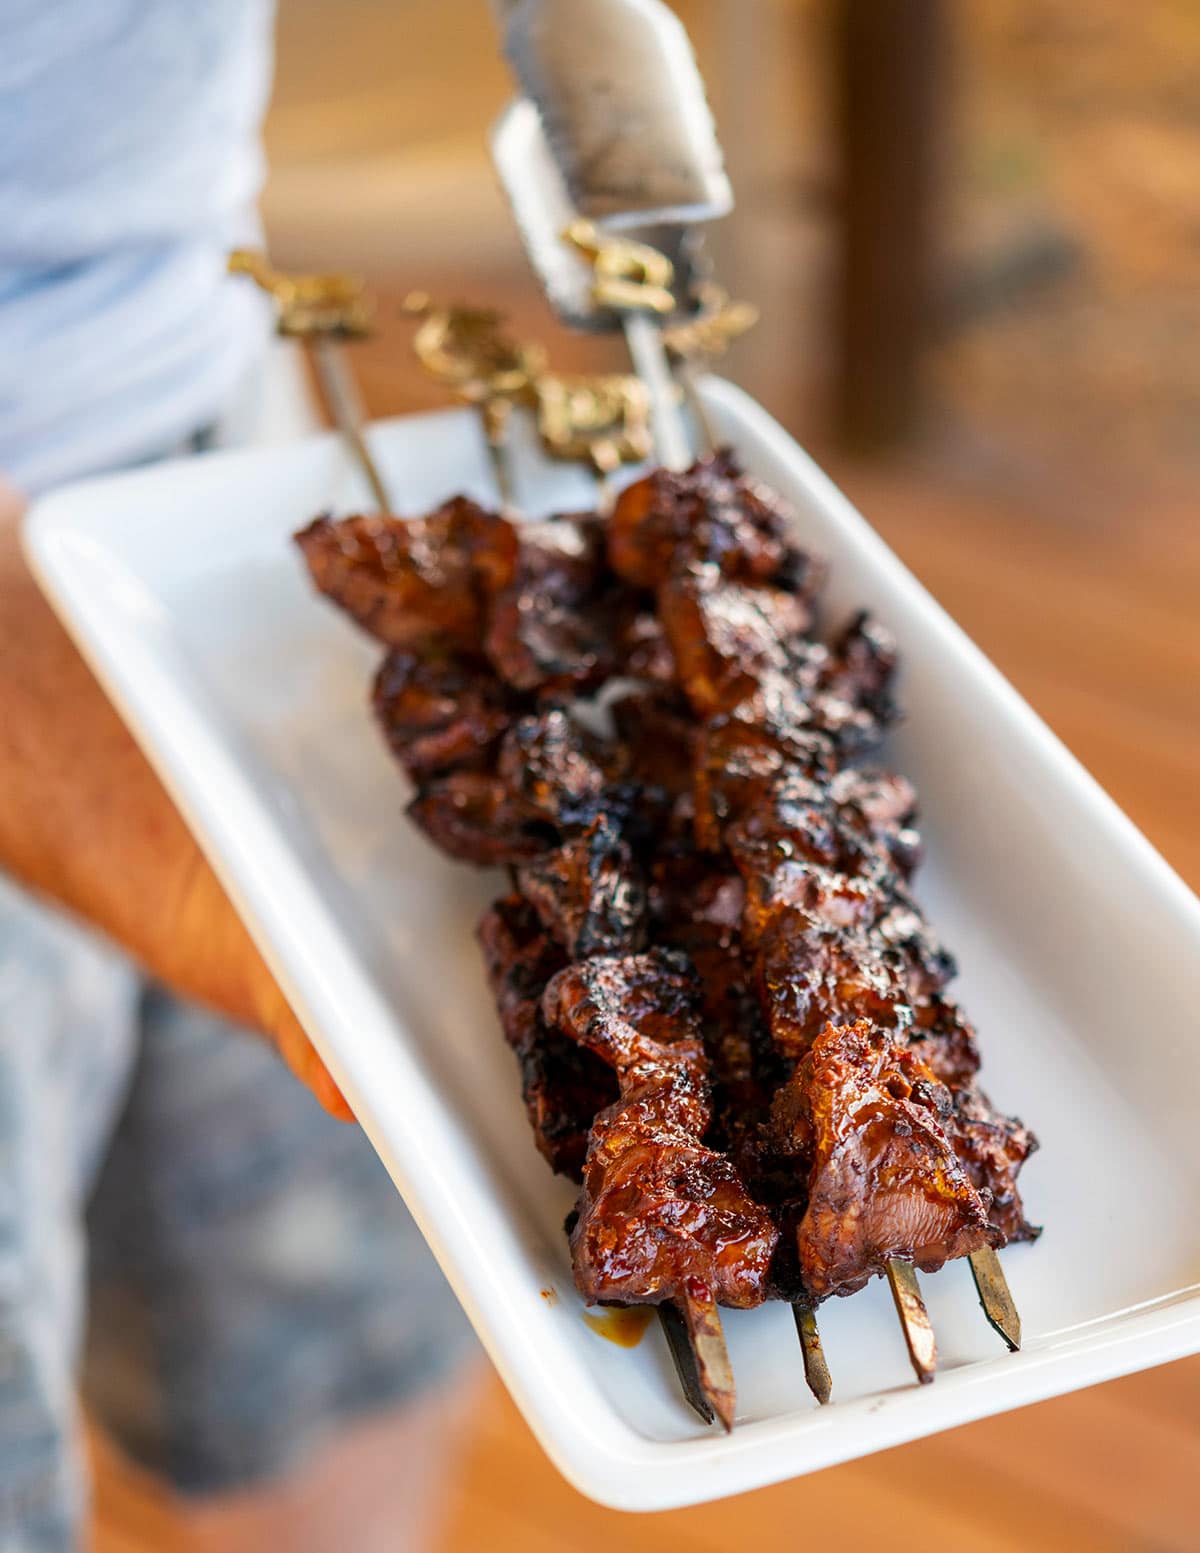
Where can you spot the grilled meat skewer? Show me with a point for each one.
(814, 1076)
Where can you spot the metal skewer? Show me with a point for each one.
(323, 311)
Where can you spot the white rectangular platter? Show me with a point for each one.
(1080, 952)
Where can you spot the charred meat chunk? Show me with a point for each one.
(473, 816)
(417, 583)
(876, 1129)
(660, 1215)
(730, 640)
(548, 626)
(735, 765)
(557, 767)
(708, 513)
(862, 668)
(659, 737)
(992, 1149)
(563, 1085)
(881, 808)
(588, 892)
(944, 1040)
(811, 976)
(643, 651)
(439, 713)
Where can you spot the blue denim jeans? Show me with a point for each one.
(223, 1271)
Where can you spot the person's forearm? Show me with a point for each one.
(85, 822)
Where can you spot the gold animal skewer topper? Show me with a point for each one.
(627, 276)
(323, 311)
(309, 305)
(717, 322)
(603, 417)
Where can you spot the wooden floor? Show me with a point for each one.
(1069, 555)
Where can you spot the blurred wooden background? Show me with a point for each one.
(1048, 496)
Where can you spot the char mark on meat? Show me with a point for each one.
(557, 767)
(992, 1148)
(589, 892)
(563, 1084)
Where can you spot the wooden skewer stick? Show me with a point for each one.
(996, 1297)
(340, 393)
(679, 1342)
(914, 1318)
(816, 1371)
(703, 1321)
(324, 311)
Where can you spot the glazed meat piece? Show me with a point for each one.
(473, 816)
(942, 1037)
(735, 765)
(794, 845)
(875, 1130)
(588, 892)
(810, 976)
(643, 651)
(695, 900)
(548, 627)
(992, 1149)
(730, 641)
(562, 1084)
(710, 512)
(437, 713)
(862, 667)
(660, 1215)
(925, 963)
(659, 737)
(414, 584)
(829, 902)
(747, 649)
(520, 957)
(696, 906)
(881, 808)
(557, 767)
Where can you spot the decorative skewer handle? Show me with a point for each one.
(634, 281)
(323, 310)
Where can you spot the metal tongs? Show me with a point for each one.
(612, 155)
(614, 143)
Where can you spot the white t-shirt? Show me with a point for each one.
(130, 163)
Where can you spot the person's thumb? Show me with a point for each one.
(275, 1017)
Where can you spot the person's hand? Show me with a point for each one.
(85, 822)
